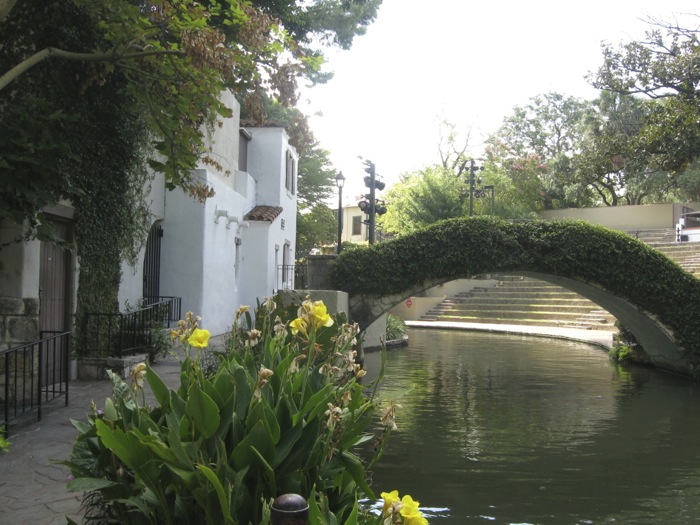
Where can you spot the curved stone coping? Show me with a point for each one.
(594, 337)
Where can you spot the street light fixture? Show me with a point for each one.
(472, 180)
(340, 182)
(477, 191)
(493, 196)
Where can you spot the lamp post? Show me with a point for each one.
(340, 182)
(493, 196)
(472, 176)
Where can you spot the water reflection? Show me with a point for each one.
(507, 429)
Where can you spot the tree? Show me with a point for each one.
(155, 66)
(174, 58)
(664, 67)
(537, 146)
(316, 227)
(688, 183)
(316, 223)
(612, 161)
(421, 198)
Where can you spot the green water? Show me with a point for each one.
(521, 430)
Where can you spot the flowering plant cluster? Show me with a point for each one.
(284, 411)
(401, 511)
(189, 333)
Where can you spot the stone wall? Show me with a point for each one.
(318, 267)
(19, 325)
(19, 321)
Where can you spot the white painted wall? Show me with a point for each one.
(182, 251)
(267, 164)
(198, 252)
(624, 218)
(348, 213)
(223, 140)
(131, 286)
(257, 263)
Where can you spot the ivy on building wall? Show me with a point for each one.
(87, 136)
(112, 219)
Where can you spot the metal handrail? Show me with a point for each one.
(119, 334)
(291, 277)
(34, 374)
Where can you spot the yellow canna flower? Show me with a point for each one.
(269, 305)
(138, 373)
(319, 315)
(298, 325)
(409, 507)
(199, 338)
(253, 337)
(418, 519)
(241, 310)
(391, 499)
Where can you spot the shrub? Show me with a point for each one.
(282, 413)
(4, 443)
(395, 328)
(626, 347)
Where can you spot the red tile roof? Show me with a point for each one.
(263, 213)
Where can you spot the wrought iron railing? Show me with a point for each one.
(34, 374)
(117, 335)
(174, 313)
(291, 277)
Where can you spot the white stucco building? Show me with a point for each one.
(354, 228)
(215, 256)
(230, 250)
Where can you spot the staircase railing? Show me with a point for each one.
(34, 374)
(117, 335)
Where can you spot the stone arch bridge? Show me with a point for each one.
(649, 294)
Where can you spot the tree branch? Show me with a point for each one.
(50, 52)
(5, 8)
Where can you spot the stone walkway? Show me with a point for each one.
(32, 485)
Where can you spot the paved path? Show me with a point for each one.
(32, 486)
(596, 337)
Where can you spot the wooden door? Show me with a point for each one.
(55, 284)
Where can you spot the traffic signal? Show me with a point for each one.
(379, 185)
(371, 205)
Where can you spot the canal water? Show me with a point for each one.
(521, 430)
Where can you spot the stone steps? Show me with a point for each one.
(524, 301)
(686, 255)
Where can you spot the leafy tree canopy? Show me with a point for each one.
(565, 152)
(316, 227)
(169, 59)
(664, 67)
(611, 161)
(536, 147)
(421, 198)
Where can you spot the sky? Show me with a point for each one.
(467, 62)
